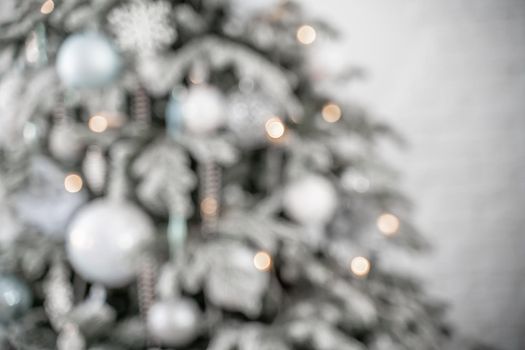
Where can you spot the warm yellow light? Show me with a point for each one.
(275, 128)
(262, 261)
(306, 34)
(360, 266)
(73, 183)
(331, 113)
(209, 206)
(47, 7)
(98, 123)
(388, 224)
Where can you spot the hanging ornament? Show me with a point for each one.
(247, 114)
(310, 200)
(87, 60)
(203, 109)
(43, 202)
(64, 141)
(94, 169)
(210, 184)
(143, 26)
(15, 298)
(105, 239)
(173, 115)
(174, 322)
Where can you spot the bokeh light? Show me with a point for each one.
(360, 266)
(306, 34)
(73, 183)
(388, 224)
(262, 261)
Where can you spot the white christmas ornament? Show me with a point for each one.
(174, 322)
(311, 200)
(143, 26)
(104, 240)
(87, 60)
(203, 110)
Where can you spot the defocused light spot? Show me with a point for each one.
(47, 7)
(98, 123)
(360, 266)
(388, 224)
(275, 128)
(262, 261)
(209, 206)
(73, 183)
(306, 34)
(331, 113)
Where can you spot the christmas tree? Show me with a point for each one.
(178, 174)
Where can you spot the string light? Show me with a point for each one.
(73, 183)
(98, 123)
(306, 34)
(388, 224)
(360, 266)
(275, 128)
(209, 206)
(331, 113)
(47, 7)
(262, 261)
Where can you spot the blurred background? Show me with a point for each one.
(450, 75)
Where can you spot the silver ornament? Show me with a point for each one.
(248, 113)
(87, 60)
(15, 298)
(105, 239)
(174, 322)
(203, 109)
(310, 200)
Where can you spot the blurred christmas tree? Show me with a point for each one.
(175, 174)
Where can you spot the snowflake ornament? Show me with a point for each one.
(143, 26)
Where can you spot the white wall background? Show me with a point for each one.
(450, 74)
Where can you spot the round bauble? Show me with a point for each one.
(310, 200)
(104, 240)
(174, 322)
(15, 298)
(203, 110)
(87, 60)
(248, 113)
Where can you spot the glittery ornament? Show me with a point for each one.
(247, 114)
(143, 26)
(174, 322)
(15, 298)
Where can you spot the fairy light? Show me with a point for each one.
(209, 206)
(262, 261)
(73, 183)
(275, 128)
(306, 34)
(360, 266)
(331, 113)
(47, 7)
(388, 224)
(98, 123)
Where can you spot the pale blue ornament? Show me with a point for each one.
(87, 60)
(174, 121)
(177, 233)
(15, 298)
